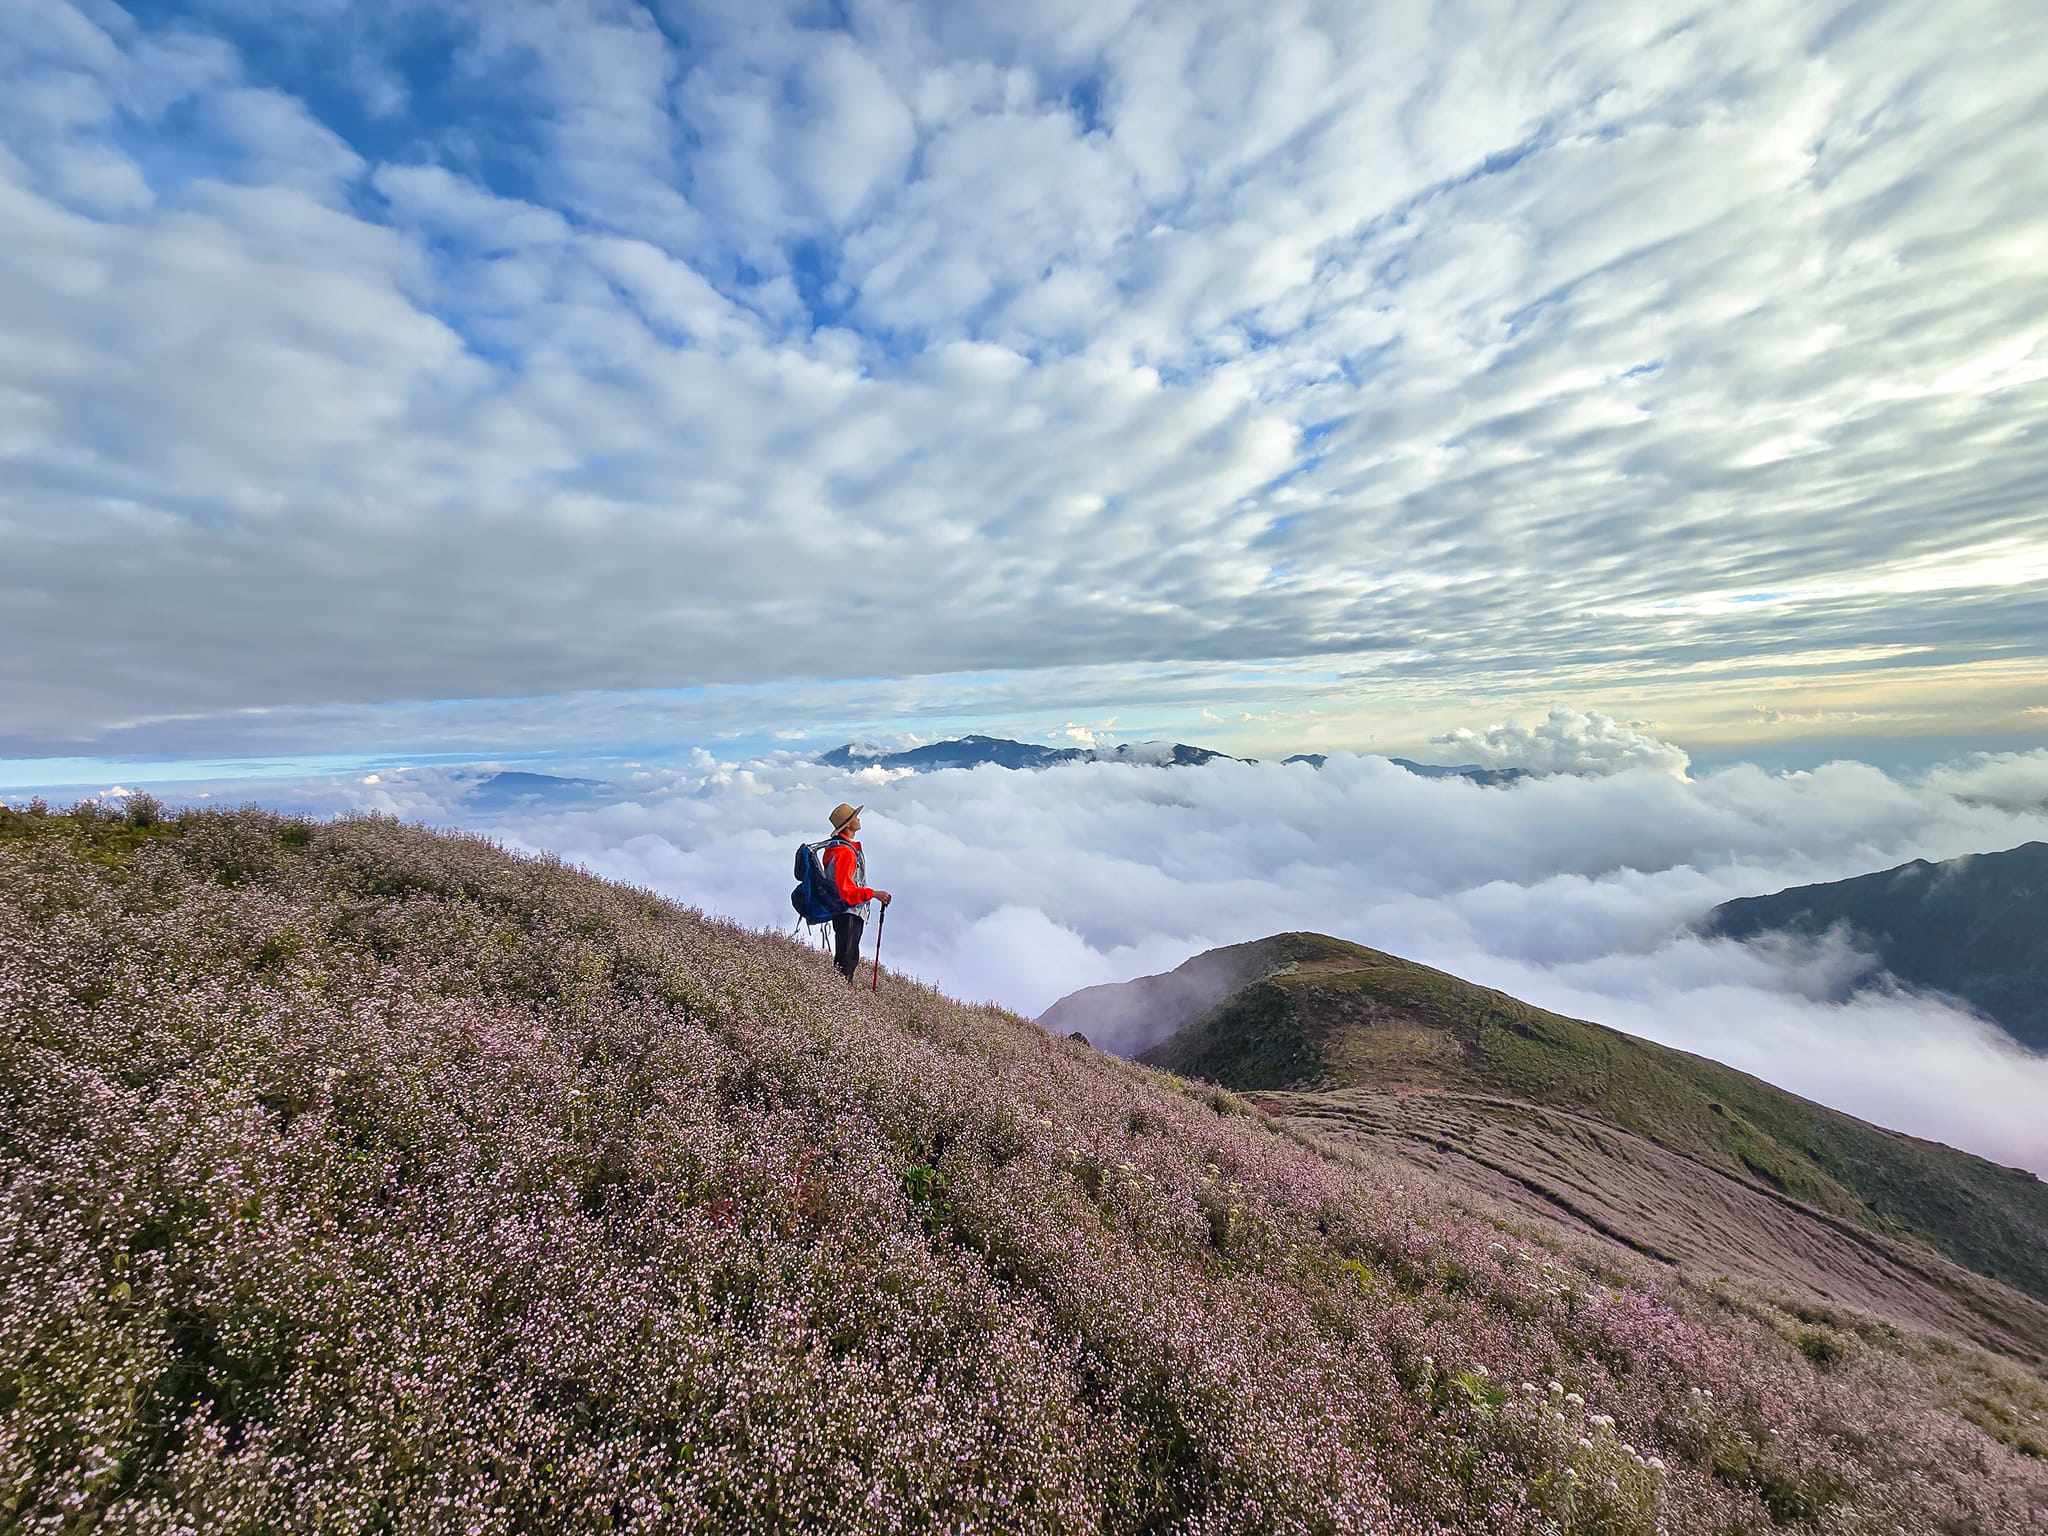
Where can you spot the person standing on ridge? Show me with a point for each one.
(846, 866)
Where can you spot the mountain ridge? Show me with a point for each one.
(1343, 1037)
(975, 751)
(1974, 928)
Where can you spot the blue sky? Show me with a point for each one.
(384, 381)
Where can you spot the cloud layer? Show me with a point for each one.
(1567, 741)
(1572, 892)
(387, 352)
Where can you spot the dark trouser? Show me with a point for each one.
(846, 931)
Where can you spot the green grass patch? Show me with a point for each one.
(1324, 1013)
(106, 838)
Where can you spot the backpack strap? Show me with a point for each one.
(860, 864)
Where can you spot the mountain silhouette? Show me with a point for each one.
(962, 752)
(976, 751)
(1974, 927)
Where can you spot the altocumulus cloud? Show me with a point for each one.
(400, 351)
(1572, 892)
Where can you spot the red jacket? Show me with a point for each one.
(844, 864)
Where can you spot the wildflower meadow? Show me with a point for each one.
(356, 1178)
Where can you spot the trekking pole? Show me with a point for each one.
(875, 984)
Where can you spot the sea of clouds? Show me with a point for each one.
(1575, 891)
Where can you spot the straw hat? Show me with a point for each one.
(842, 813)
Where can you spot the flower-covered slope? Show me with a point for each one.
(1380, 1049)
(362, 1179)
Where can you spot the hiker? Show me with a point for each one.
(846, 866)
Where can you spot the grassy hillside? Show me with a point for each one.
(1316, 1012)
(357, 1179)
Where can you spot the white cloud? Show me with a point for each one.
(1575, 893)
(453, 205)
(1567, 741)
(857, 135)
(671, 294)
(605, 73)
(281, 143)
(2016, 781)
(1459, 356)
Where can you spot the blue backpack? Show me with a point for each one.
(816, 898)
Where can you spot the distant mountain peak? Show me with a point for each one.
(1974, 928)
(974, 751)
(959, 752)
(1490, 778)
(514, 788)
(1166, 754)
